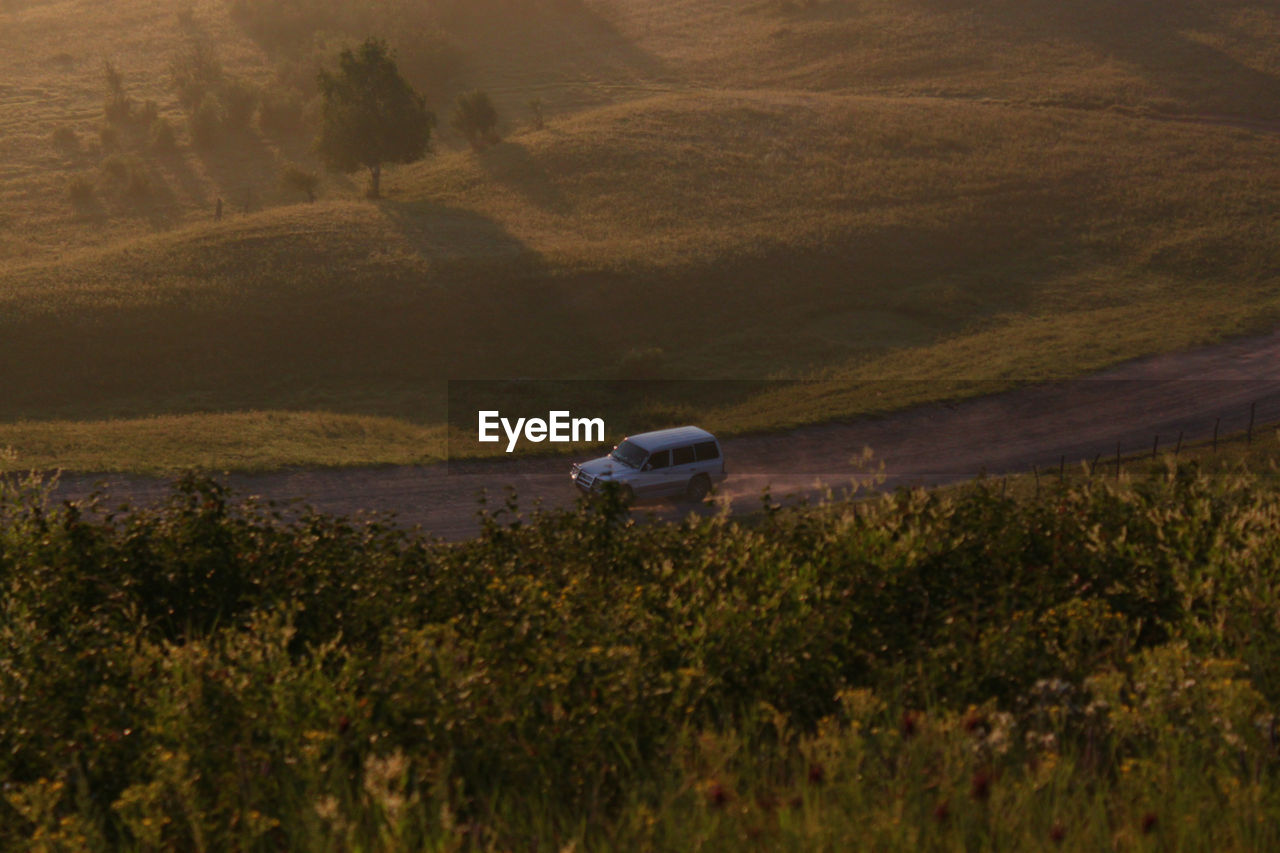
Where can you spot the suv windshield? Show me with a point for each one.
(629, 453)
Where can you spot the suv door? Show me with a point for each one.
(684, 463)
(652, 478)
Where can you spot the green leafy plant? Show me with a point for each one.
(1088, 667)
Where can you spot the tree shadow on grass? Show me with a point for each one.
(380, 336)
(454, 239)
(514, 166)
(190, 189)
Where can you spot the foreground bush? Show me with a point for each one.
(1093, 667)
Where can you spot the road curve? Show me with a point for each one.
(1189, 393)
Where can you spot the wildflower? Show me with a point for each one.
(1148, 823)
(327, 807)
(816, 774)
(344, 723)
(1057, 832)
(942, 811)
(908, 725)
(976, 724)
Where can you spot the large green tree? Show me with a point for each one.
(372, 115)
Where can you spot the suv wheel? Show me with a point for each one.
(699, 487)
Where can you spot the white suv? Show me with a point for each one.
(668, 462)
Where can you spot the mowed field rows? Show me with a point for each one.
(846, 191)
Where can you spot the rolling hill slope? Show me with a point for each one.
(771, 190)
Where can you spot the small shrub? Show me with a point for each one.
(128, 174)
(476, 118)
(207, 121)
(195, 71)
(296, 178)
(118, 107)
(80, 189)
(115, 167)
(66, 139)
(137, 184)
(118, 112)
(240, 98)
(164, 139)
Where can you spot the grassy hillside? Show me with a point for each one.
(935, 190)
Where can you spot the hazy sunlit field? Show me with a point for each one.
(1082, 657)
(847, 190)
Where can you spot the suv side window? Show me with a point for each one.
(706, 450)
(661, 459)
(682, 455)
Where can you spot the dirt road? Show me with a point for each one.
(1129, 405)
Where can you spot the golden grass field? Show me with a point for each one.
(925, 189)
